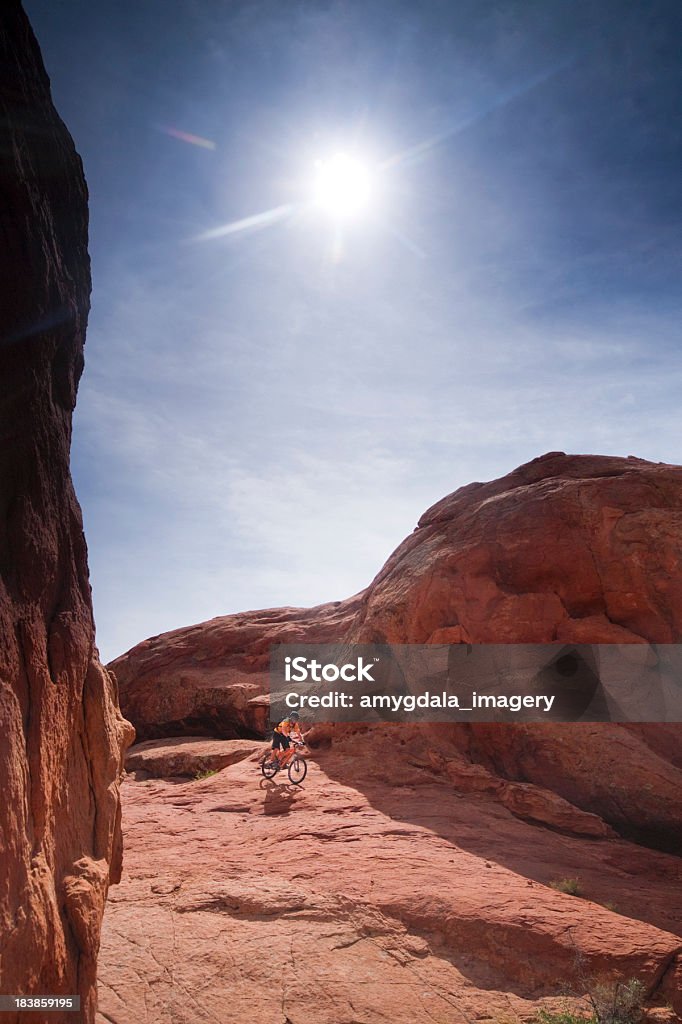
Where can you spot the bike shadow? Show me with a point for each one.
(279, 798)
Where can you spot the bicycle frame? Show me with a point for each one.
(290, 752)
(291, 760)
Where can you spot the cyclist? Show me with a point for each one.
(287, 730)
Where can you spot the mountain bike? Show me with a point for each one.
(294, 762)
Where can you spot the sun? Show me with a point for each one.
(342, 186)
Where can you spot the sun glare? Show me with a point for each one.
(342, 186)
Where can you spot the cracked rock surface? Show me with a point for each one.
(380, 890)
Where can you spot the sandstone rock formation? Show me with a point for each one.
(582, 549)
(410, 879)
(212, 679)
(186, 756)
(62, 733)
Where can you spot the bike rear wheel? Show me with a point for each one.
(297, 770)
(269, 769)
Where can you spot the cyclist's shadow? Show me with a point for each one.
(279, 799)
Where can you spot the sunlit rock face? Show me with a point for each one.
(62, 733)
(581, 549)
(410, 877)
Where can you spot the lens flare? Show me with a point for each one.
(193, 140)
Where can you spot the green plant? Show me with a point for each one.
(571, 886)
(205, 774)
(561, 1017)
(619, 1003)
(613, 907)
(611, 1003)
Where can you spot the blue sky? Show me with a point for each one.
(265, 415)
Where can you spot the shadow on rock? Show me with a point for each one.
(279, 799)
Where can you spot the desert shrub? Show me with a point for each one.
(618, 1004)
(561, 1017)
(571, 886)
(611, 1003)
(206, 774)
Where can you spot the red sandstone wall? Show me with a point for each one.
(61, 733)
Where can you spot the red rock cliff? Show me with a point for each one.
(568, 548)
(62, 733)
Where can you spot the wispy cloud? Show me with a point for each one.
(260, 423)
(213, 502)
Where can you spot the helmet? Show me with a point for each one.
(294, 716)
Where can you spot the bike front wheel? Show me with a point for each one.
(297, 770)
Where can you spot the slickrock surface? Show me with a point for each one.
(60, 729)
(380, 890)
(187, 755)
(601, 767)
